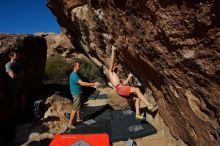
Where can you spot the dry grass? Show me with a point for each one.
(115, 101)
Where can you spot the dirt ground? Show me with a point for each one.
(163, 136)
(109, 96)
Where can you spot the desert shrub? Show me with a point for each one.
(58, 69)
(55, 65)
(55, 70)
(89, 71)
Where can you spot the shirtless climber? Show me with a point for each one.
(124, 90)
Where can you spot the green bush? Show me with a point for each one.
(55, 70)
(56, 65)
(58, 69)
(89, 71)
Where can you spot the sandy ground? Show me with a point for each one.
(161, 138)
(107, 95)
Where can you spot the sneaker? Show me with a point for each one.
(79, 120)
(140, 117)
(153, 107)
(68, 129)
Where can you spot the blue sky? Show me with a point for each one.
(26, 16)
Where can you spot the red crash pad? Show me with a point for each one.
(80, 140)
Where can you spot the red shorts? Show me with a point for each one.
(123, 90)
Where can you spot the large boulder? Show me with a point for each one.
(52, 123)
(57, 43)
(172, 47)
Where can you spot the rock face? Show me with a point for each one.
(57, 43)
(54, 117)
(33, 59)
(60, 54)
(172, 47)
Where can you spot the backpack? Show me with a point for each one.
(38, 109)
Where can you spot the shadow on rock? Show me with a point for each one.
(50, 119)
(44, 142)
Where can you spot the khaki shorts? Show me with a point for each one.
(77, 100)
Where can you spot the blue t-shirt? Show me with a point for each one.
(75, 88)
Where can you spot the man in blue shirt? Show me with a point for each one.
(76, 89)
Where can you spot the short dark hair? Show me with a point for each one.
(75, 63)
(11, 54)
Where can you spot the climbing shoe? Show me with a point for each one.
(153, 107)
(79, 120)
(140, 117)
(68, 129)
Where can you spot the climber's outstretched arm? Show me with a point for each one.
(112, 59)
(128, 79)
